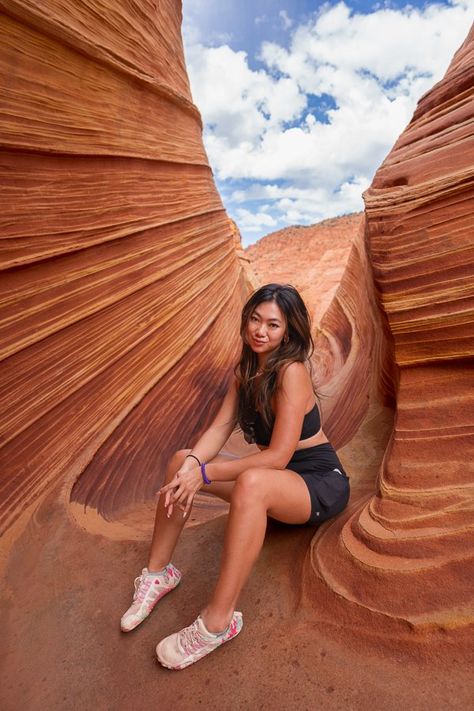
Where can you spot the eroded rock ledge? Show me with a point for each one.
(406, 555)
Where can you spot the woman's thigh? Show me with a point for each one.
(283, 492)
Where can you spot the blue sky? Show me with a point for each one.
(301, 101)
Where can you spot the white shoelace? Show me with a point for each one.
(142, 585)
(191, 639)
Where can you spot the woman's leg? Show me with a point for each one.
(167, 530)
(281, 494)
(153, 584)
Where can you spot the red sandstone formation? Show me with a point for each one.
(118, 259)
(406, 555)
(122, 286)
(415, 247)
(312, 258)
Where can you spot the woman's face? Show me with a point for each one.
(266, 328)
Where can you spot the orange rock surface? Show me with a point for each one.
(312, 258)
(407, 554)
(121, 284)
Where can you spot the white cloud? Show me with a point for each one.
(238, 104)
(386, 42)
(287, 22)
(258, 124)
(253, 222)
(290, 205)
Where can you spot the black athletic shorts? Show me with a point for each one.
(325, 478)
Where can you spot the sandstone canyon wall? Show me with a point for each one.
(118, 260)
(121, 280)
(406, 555)
(119, 264)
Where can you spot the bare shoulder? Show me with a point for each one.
(294, 374)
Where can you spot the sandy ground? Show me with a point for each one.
(62, 648)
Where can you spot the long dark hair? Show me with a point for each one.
(296, 346)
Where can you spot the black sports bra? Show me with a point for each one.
(311, 426)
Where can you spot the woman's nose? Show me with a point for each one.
(261, 331)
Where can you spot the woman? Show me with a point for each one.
(295, 478)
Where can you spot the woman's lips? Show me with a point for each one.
(257, 342)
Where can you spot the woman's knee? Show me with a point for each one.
(180, 455)
(176, 461)
(249, 487)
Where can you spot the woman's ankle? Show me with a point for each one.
(216, 621)
(156, 566)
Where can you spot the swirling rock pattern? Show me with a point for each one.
(406, 556)
(122, 284)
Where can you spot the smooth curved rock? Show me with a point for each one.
(407, 555)
(123, 277)
(121, 286)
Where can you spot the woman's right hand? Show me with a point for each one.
(188, 464)
(181, 489)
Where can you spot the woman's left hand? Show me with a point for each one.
(181, 489)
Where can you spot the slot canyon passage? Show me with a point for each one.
(112, 236)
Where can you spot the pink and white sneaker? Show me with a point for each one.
(183, 648)
(149, 589)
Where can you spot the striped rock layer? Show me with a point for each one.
(121, 279)
(407, 554)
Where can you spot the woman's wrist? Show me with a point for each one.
(188, 465)
(195, 458)
(210, 471)
(205, 474)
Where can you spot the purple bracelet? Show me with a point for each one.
(203, 472)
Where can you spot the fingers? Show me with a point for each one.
(174, 498)
(180, 496)
(171, 485)
(188, 505)
(169, 502)
(183, 502)
(178, 505)
(177, 495)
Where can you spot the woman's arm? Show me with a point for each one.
(213, 439)
(290, 405)
(291, 399)
(188, 479)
